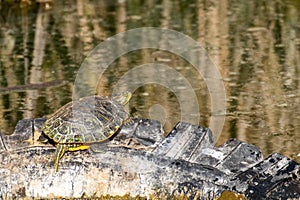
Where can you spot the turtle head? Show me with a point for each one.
(123, 97)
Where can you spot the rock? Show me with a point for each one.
(276, 176)
(185, 163)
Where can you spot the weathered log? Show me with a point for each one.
(147, 164)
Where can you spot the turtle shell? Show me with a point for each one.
(88, 120)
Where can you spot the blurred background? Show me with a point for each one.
(255, 45)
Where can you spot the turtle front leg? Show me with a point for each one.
(60, 151)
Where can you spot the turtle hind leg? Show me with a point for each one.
(62, 148)
(60, 151)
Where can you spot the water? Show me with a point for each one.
(255, 46)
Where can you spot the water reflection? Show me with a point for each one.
(255, 45)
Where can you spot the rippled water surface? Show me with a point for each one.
(254, 44)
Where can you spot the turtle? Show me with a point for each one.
(91, 119)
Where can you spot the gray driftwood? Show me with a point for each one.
(139, 161)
